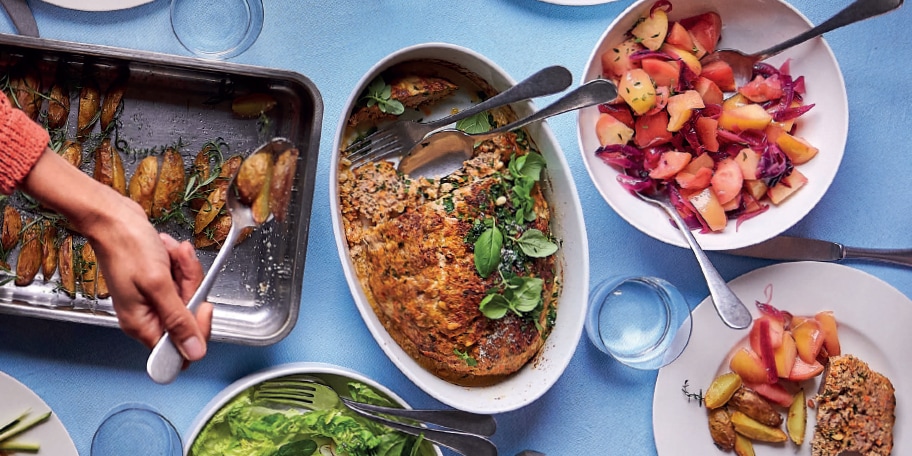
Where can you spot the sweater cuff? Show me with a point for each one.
(22, 141)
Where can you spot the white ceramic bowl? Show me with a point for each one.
(749, 25)
(542, 372)
(333, 375)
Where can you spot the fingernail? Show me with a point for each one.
(193, 349)
(168, 240)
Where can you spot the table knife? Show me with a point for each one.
(791, 248)
(22, 17)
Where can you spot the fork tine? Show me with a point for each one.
(369, 142)
(377, 154)
(374, 150)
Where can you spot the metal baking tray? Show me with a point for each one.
(179, 100)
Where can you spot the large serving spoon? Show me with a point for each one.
(729, 307)
(743, 64)
(444, 151)
(165, 361)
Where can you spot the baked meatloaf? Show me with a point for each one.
(412, 245)
(855, 410)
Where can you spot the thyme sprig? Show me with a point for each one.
(692, 396)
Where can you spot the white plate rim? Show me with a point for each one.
(97, 5)
(523, 387)
(51, 435)
(866, 307)
(830, 96)
(577, 2)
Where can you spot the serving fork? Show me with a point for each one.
(400, 136)
(461, 431)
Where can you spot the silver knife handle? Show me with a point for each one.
(895, 256)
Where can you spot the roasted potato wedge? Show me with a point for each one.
(721, 429)
(88, 269)
(213, 236)
(112, 101)
(12, 226)
(142, 184)
(89, 108)
(65, 266)
(743, 446)
(252, 105)
(253, 176)
(29, 261)
(25, 92)
(58, 110)
(171, 183)
(261, 204)
(210, 209)
(202, 168)
(721, 390)
(796, 422)
(72, 152)
(109, 168)
(756, 430)
(49, 251)
(283, 175)
(755, 406)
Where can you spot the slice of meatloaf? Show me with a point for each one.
(412, 91)
(855, 410)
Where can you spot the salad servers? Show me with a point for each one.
(444, 151)
(165, 361)
(729, 307)
(461, 431)
(743, 64)
(399, 137)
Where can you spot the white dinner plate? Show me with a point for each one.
(16, 398)
(872, 317)
(577, 2)
(97, 5)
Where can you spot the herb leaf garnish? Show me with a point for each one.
(535, 244)
(379, 94)
(487, 250)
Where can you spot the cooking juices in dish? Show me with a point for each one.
(672, 127)
(459, 270)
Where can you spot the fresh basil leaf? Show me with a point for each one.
(376, 86)
(494, 306)
(533, 166)
(386, 92)
(297, 447)
(475, 124)
(535, 244)
(524, 293)
(394, 107)
(487, 251)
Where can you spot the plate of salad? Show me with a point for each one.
(234, 424)
(740, 163)
(27, 423)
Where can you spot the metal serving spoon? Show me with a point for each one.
(444, 151)
(743, 64)
(729, 307)
(165, 361)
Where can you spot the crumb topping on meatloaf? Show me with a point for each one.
(409, 240)
(855, 410)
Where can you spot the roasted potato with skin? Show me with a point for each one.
(65, 266)
(796, 422)
(49, 252)
(89, 107)
(12, 226)
(58, 111)
(253, 176)
(202, 168)
(29, 261)
(109, 168)
(721, 390)
(743, 446)
(260, 207)
(721, 429)
(171, 183)
(755, 406)
(112, 100)
(142, 184)
(252, 105)
(25, 92)
(72, 153)
(214, 235)
(215, 199)
(88, 271)
(283, 175)
(756, 430)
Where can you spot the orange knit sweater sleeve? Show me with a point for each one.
(22, 141)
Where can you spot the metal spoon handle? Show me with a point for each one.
(855, 12)
(545, 82)
(165, 361)
(453, 419)
(729, 307)
(592, 93)
(896, 256)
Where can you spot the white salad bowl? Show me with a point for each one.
(748, 25)
(335, 376)
(537, 376)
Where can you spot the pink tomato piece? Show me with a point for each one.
(727, 180)
(670, 163)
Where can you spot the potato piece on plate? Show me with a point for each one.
(171, 183)
(282, 180)
(142, 184)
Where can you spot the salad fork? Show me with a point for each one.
(399, 137)
(461, 431)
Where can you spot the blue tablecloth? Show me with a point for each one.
(598, 407)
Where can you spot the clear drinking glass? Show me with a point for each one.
(643, 322)
(217, 29)
(135, 429)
